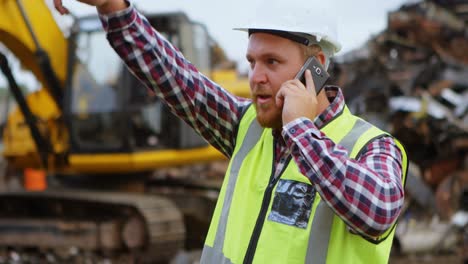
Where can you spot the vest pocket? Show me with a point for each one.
(292, 203)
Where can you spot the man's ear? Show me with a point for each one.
(321, 57)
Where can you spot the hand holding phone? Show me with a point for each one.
(319, 74)
(301, 103)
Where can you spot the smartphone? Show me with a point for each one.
(319, 74)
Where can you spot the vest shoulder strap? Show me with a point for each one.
(246, 121)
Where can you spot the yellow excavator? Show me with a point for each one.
(100, 138)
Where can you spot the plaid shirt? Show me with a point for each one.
(366, 193)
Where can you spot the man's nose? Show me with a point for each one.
(258, 74)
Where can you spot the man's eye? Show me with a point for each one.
(272, 61)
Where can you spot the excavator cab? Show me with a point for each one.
(110, 110)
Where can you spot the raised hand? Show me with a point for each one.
(103, 6)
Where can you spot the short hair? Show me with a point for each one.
(312, 51)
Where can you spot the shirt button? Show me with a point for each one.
(282, 160)
(292, 130)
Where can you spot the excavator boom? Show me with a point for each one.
(26, 29)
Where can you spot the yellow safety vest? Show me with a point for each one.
(259, 219)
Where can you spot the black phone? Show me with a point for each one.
(319, 74)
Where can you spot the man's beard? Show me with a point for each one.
(269, 119)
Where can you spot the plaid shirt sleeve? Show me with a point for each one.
(212, 111)
(366, 193)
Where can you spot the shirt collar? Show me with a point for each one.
(336, 98)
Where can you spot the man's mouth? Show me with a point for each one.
(263, 99)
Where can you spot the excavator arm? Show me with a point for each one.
(28, 29)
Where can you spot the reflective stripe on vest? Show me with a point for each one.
(215, 254)
(354, 137)
(321, 226)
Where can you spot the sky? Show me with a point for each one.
(358, 20)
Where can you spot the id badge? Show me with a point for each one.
(292, 203)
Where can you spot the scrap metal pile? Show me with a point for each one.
(412, 80)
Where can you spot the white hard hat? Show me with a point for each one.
(310, 17)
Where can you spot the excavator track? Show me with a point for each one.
(142, 228)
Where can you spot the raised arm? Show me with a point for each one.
(212, 111)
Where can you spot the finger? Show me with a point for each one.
(283, 94)
(310, 85)
(293, 85)
(60, 8)
(287, 89)
(279, 98)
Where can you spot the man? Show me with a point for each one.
(308, 182)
